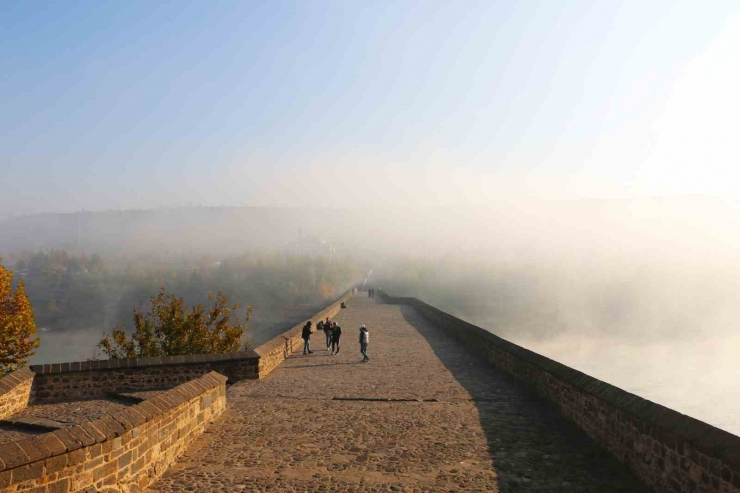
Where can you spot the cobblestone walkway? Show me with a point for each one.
(309, 426)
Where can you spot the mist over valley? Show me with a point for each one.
(644, 294)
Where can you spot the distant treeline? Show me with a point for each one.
(83, 291)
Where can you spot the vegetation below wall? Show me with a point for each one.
(95, 293)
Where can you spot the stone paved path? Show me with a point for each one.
(289, 432)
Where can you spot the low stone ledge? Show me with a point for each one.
(127, 449)
(276, 350)
(15, 391)
(89, 379)
(669, 451)
(81, 366)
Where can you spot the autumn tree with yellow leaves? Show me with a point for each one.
(17, 325)
(171, 329)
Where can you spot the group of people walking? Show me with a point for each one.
(333, 333)
(371, 293)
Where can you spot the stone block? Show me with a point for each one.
(5, 478)
(93, 463)
(113, 424)
(81, 481)
(93, 431)
(27, 473)
(55, 464)
(34, 449)
(12, 455)
(80, 434)
(61, 486)
(69, 440)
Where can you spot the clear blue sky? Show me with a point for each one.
(146, 104)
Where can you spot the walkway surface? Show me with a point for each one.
(307, 427)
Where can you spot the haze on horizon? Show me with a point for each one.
(110, 105)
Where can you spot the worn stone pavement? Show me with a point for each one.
(475, 429)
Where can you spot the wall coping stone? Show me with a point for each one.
(10, 381)
(706, 438)
(185, 359)
(109, 426)
(115, 364)
(295, 331)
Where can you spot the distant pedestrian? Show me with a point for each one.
(327, 333)
(306, 335)
(369, 293)
(336, 334)
(364, 341)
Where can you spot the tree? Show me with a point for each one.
(17, 325)
(170, 329)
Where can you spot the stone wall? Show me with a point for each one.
(86, 379)
(276, 350)
(15, 389)
(123, 451)
(81, 380)
(668, 451)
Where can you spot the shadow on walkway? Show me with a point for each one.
(350, 363)
(532, 446)
(322, 354)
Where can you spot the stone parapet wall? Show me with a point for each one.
(276, 350)
(86, 379)
(123, 451)
(81, 380)
(15, 390)
(668, 451)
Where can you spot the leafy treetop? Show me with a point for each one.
(171, 329)
(17, 325)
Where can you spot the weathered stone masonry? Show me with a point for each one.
(125, 450)
(121, 451)
(85, 379)
(81, 380)
(15, 390)
(667, 450)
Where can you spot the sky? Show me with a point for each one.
(119, 105)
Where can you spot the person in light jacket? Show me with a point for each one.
(364, 341)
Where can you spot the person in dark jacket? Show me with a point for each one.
(327, 333)
(336, 334)
(306, 334)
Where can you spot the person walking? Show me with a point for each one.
(326, 326)
(306, 335)
(364, 341)
(336, 334)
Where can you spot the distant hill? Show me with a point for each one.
(372, 227)
(218, 230)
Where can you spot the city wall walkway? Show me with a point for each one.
(425, 414)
